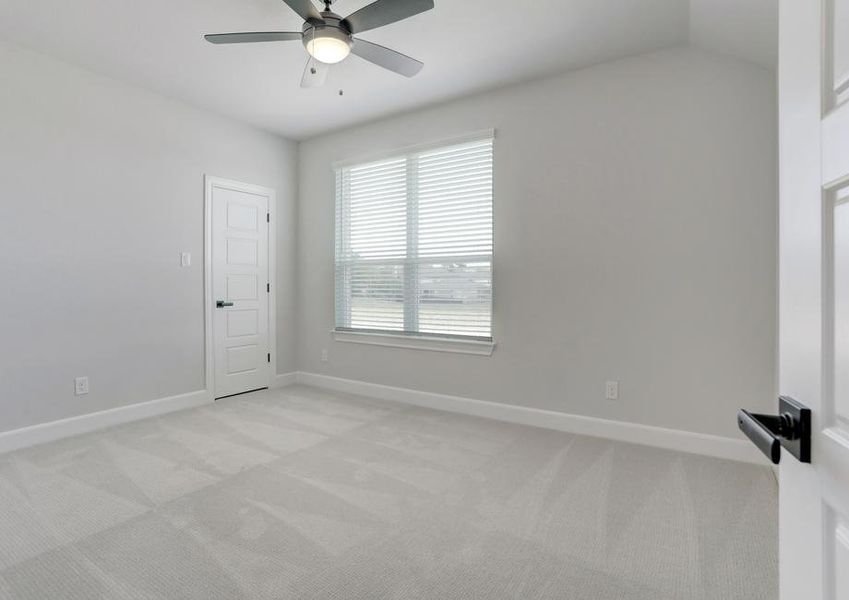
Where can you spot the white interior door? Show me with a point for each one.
(240, 286)
(814, 296)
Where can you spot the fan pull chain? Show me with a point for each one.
(312, 58)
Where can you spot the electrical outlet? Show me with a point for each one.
(80, 386)
(611, 390)
(324, 355)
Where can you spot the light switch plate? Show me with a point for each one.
(80, 386)
(186, 259)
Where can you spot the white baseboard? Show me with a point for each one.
(284, 380)
(55, 430)
(670, 439)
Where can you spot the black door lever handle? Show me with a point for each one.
(761, 436)
(790, 429)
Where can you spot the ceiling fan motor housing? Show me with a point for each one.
(332, 27)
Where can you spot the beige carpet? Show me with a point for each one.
(300, 493)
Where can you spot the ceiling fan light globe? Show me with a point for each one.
(329, 50)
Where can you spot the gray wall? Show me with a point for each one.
(101, 188)
(635, 228)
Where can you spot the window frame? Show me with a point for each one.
(462, 344)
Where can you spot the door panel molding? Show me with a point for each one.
(835, 54)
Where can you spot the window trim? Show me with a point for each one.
(416, 341)
(457, 345)
(476, 136)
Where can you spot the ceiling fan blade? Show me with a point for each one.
(315, 73)
(384, 12)
(305, 9)
(254, 36)
(386, 58)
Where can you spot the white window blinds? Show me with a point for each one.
(414, 243)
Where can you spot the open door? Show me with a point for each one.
(814, 293)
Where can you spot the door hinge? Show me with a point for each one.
(268, 287)
(269, 357)
(268, 217)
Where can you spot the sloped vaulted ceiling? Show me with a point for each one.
(466, 45)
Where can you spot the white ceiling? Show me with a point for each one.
(466, 45)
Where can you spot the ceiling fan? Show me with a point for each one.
(329, 38)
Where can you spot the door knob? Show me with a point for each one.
(222, 303)
(789, 429)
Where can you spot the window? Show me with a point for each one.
(414, 243)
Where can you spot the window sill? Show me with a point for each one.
(412, 342)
